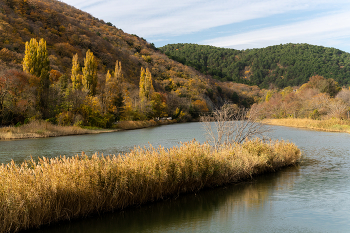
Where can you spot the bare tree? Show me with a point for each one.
(231, 124)
(337, 108)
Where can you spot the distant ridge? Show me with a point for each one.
(279, 65)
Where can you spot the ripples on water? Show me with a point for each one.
(311, 197)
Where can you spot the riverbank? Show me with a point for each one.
(330, 125)
(38, 193)
(43, 129)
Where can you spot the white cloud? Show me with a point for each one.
(168, 18)
(326, 30)
(161, 20)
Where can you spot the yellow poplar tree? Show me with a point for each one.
(108, 77)
(29, 60)
(114, 90)
(36, 62)
(107, 93)
(118, 73)
(146, 89)
(142, 93)
(90, 73)
(76, 77)
(146, 86)
(127, 113)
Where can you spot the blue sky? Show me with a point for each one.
(238, 24)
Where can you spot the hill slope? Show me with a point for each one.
(279, 65)
(69, 31)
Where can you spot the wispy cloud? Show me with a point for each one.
(159, 17)
(334, 27)
(161, 20)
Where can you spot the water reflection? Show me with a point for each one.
(209, 209)
(107, 143)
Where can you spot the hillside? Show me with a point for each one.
(279, 65)
(69, 31)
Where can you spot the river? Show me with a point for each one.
(311, 197)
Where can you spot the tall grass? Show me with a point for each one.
(39, 129)
(332, 124)
(142, 124)
(51, 190)
(43, 129)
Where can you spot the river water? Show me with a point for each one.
(311, 197)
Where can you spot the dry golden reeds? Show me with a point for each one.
(43, 129)
(40, 129)
(331, 125)
(142, 124)
(51, 190)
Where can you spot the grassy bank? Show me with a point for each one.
(43, 129)
(332, 125)
(39, 129)
(33, 194)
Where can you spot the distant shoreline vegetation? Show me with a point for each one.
(33, 194)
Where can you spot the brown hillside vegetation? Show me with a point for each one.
(68, 31)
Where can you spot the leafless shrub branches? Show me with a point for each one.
(231, 124)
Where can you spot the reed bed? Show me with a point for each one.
(43, 129)
(142, 124)
(332, 125)
(39, 129)
(50, 190)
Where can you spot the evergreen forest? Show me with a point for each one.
(275, 66)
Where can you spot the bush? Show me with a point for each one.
(315, 115)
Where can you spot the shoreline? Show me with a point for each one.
(43, 129)
(330, 125)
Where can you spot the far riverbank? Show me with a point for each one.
(43, 129)
(329, 125)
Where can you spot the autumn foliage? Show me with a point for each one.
(319, 98)
(77, 52)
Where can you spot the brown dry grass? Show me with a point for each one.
(51, 190)
(332, 125)
(142, 124)
(40, 129)
(43, 129)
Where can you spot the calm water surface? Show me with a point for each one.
(312, 197)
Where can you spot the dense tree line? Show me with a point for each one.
(277, 66)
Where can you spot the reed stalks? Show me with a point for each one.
(39, 129)
(142, 124)
(331, 125)
(50, 190)
(43, 129)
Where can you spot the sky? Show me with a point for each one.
(237, 24)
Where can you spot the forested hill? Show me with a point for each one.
(279, 65)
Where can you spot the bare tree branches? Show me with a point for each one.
(232, 124)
